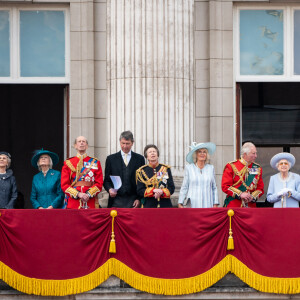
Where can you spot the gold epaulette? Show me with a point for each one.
(140, 168)
(233, 161)
(229, 163)
(167, 166)
(70, 165)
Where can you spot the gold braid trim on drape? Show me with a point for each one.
(263, 283)
(47, 287)
(149, 284)
(114, 267)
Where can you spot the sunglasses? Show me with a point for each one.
(283, 163)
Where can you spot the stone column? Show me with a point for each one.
(150, 81)
(82, 72)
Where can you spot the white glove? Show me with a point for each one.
(286, 191)
(280, 193)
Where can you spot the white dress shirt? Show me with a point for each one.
(128, 156)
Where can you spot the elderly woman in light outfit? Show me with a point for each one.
(199, 184)
(284, 187)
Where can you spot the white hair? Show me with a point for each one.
(8, 162)
(75, 142)
(207, 160)
(246, 148)
(50, 162)
(277, 165)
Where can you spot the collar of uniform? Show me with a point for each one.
(154, 166)
(244, 162)
(83, 156)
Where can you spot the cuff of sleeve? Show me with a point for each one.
(93, 191)
(256, 194)
(236, 192)
(72, 192)
(166, 193)
(149, 192)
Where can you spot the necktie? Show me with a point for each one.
(125, 159)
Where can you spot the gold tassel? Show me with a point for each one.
(112, 245)
(230, 245)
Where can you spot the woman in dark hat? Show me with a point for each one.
(8, 187)
(46, 191)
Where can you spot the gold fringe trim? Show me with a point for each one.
(46, 287)
(149, 284)
(263, 283)
(171, 286)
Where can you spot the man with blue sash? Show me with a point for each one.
(242, 179)
(81, 178)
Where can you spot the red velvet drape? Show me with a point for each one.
(160, 243)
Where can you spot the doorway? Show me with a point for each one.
(270, 118)
(33, 117)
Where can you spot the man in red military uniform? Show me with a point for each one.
(81, 178)
(242, 179)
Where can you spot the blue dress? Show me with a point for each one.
(277, 184)
(46, 190)
(199, 186)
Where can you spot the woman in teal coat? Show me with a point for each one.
(46, 191)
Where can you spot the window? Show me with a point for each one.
(261, 42)
(4, 44)
(34, 45)
(297, 42)
(267, 43)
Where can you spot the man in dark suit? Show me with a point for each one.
(124, 164)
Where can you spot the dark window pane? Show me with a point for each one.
(271, 113)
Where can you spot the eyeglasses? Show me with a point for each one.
(283, 163)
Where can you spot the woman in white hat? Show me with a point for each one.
(284, 187)
(199, 184)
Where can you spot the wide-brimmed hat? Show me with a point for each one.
(211, 148)
(283, 155)
(5, 153)
(40, 152)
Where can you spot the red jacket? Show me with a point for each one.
(234, 182)
(88, 180)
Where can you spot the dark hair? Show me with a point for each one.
(127, 135)
(150, 146)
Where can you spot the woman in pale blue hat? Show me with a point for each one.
(199, 184)
(284, 186)
(46, 191)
